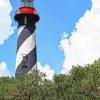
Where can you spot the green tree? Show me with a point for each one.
(82, 83)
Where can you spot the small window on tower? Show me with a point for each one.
(24, 61)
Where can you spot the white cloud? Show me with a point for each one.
(46, 69)
(83, 46)
(6, 28)
(4, 70)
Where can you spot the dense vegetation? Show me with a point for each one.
(82, 83)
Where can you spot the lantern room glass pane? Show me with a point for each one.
(27, 3)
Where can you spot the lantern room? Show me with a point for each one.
(28, 3)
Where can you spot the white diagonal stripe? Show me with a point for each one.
(27, 46)
(21, 29)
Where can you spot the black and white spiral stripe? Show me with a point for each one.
(26, 45)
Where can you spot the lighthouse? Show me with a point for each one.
(26, 17)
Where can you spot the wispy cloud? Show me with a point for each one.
(83, 46)
(46, 69)
(6, 28)
(4, 70)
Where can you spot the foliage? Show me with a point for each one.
(82, 83)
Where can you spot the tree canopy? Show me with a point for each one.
(82, 83)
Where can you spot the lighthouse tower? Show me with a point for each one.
(26, 16)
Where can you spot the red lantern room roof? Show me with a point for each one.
(26, 10)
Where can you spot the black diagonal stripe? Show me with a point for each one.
(32, 59)
(25, 33)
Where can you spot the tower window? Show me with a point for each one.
(24, 61)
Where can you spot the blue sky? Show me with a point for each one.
(56, 17)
